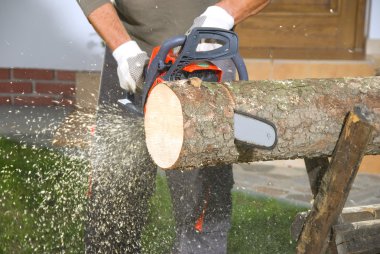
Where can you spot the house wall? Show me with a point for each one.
(43, 45)
(55, 34)
(42, 87)
(52, 37)
(47, 34)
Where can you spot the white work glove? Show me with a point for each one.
(215, 17)
(131, 61)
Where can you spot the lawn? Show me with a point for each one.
(42, 202)
(42, 196)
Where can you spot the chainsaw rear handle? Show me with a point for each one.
(188, 54)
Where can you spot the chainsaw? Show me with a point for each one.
(168, 65)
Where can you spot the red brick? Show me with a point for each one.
(33, 74)
(56, 88)
(15, 87)
(65, 75)
(5, 73)
(37, 101)
(5, 100)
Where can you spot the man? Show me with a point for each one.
(201, 198)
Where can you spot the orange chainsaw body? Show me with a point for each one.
(196, 68)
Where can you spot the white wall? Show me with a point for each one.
(47, 34)
(55, 34)
(374, 22)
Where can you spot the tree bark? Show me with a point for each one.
(190, 126)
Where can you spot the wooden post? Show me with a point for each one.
(316, 169)
(336, 183)
(357, 230)
(348, 215)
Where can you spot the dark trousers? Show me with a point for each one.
(123, 181)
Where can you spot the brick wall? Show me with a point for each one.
(39, 87)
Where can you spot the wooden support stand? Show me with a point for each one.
(357, 230)
(316, 169)
(358, 237)
(335, 184)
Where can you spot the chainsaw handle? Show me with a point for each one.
(229, 50)
(240, 67)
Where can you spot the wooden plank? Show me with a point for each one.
(348, 215)
(336, 183)
(358, 237)
(360, 213)
(302, 53)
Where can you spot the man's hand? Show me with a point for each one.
(130, 58)
(215, 17)
(242, 9)
(131, 61)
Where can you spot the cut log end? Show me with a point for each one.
(164, 126)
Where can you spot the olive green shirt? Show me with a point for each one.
(150, 22)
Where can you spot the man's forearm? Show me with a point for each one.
(242, 9)
(108, 25)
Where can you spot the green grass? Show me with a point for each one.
(159, 233)
(42, 195)
(259, 225)
(42, 202)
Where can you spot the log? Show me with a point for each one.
(191, 126)
(336, 183)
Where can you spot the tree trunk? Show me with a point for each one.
(190, 125)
